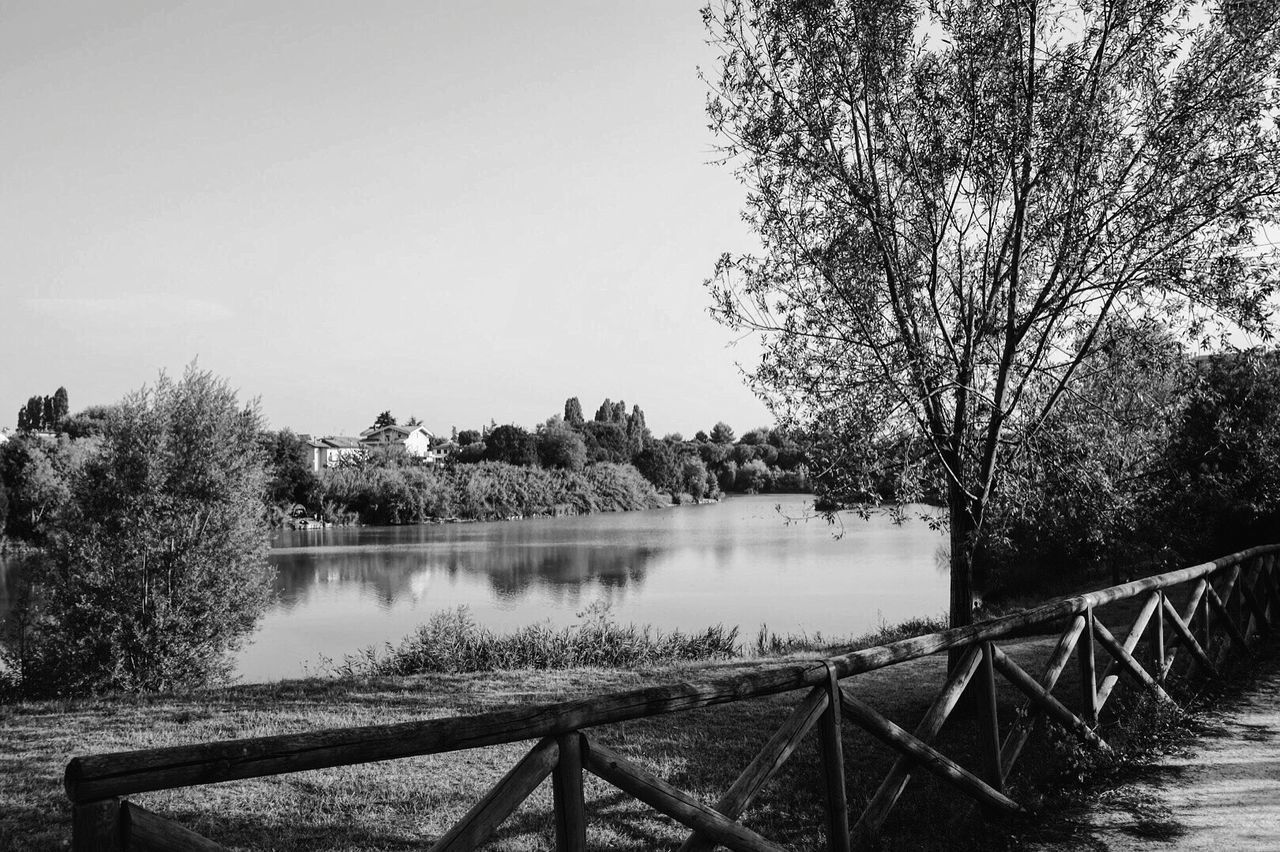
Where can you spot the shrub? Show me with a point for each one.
(158, 568)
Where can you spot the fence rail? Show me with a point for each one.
(1228, 601)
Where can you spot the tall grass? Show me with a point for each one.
(451, 642)
(770, 644)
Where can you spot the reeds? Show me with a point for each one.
(451, 642)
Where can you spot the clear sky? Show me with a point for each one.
(459, 211)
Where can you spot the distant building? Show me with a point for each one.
(415, 440)
(331, 450)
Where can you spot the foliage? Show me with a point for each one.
(43, 413)
(722, 433)
(1079, 496)
(384, 419)
(560, 446)
(290, 478)
(573, 411)
(657, 463)
(511, 444)
(37, 473)
(158, 566)
(954, 200)
(606, 441)
(89, 423)
(452, 642)
(484, 491)
(1219, 484)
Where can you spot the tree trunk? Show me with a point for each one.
(962, 527)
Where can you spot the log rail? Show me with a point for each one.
(1228, 602)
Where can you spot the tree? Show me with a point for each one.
(61, 406)
(722, 433)
(511, 444)
(290, 478)
(637, 431)
(384, 419)
(559, 446)
(954, 200)
(468, 436)
(606, 441)
(38, 475)
(159, 568)
(32, 416)
(1220, 481)
(413, 421)
(658, 463)
(573, 411)
(89, 423)
(693, 477)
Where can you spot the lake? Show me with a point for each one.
(738, 562)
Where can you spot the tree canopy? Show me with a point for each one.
(959, 202)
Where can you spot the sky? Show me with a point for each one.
(462, 212)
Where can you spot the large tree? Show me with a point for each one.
(158, 568)
(956, 200)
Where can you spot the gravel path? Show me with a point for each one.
(1223, 794)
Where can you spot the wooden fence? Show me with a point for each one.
(1221, 606)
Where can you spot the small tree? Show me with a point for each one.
(722, 433)
(159, 569)
(573, 411)
(384, 419)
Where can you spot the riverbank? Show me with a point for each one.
(406, 803)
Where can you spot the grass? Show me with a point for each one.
(404, 804)
(451, 642)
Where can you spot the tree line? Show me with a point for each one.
(764, 460)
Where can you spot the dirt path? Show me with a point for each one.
(1222, 794)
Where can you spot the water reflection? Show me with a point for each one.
(388, 574)
(736, 563)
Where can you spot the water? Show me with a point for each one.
(737, 562)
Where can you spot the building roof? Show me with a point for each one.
(341, 442)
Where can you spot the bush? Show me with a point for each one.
(158, 568)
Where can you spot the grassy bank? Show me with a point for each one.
(404, 804)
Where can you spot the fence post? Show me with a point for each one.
(1206, 625)
(989, 720)
(833, 767)
(566, 787)
(1159, 639)
(95, 826)
(1088, 679)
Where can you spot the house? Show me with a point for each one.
(331, 450)
(415, 440)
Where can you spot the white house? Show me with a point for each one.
(415, 440)
(331, 450)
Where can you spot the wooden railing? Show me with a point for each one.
(1222, 605)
